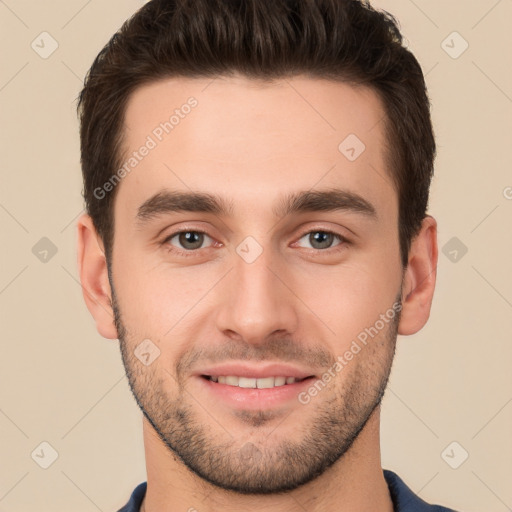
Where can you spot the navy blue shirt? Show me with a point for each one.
(404, 500)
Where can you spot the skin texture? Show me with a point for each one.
(298, 302)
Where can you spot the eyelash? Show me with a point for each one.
(193, 252)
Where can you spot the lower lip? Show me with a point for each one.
(255, 398)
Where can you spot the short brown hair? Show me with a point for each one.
(343, 40)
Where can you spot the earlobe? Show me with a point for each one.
(420, 279)
(93, 272)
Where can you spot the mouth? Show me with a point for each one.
(253, 393)
(254, 382)
(250, 386)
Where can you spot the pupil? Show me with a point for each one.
(188, 238)
(321, 237)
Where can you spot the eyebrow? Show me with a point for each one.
(327, 200)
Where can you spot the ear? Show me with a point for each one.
(92, 269)
(419, 279)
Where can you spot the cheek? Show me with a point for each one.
(350, 298)
(157, 300)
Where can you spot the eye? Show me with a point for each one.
(189, 240)
(322, 239)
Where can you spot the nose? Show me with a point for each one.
(258, 300)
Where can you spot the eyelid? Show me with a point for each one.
(185, 252)
(343, 239)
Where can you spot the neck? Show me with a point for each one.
(354, 483)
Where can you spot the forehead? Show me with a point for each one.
(234, 136)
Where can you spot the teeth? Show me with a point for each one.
(280, 381)
(243, 382)
(249, 382)
(232, 381)
(267, 382)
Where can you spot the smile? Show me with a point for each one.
(254, 383)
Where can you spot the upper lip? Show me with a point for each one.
(257, 372)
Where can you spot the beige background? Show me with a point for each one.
(63, 384)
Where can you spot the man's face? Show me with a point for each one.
(256, 285)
